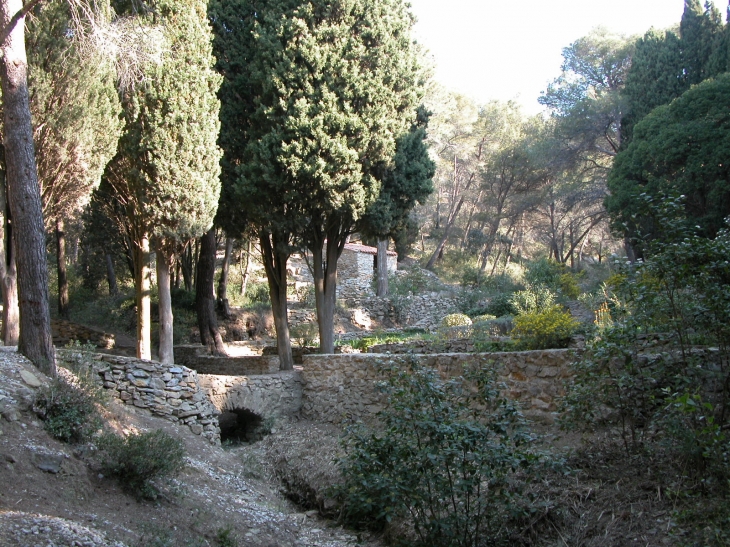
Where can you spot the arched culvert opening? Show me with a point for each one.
(241, 426)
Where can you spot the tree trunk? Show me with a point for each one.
(275, 265)
(63, 311)
(111, 276)
(210, 336)
(142, 285)
(244, 269)
(9, 277)
(325, 286)
(222, 300)
(186, 264)
(164, 261)
(36, 341)
(382, 270)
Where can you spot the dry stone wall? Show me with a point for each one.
(338, 389)
(168, 391)
(195, 357)
(269, 396)
(417, 311)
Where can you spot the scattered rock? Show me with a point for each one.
(47, 461)
(30, 378)
(10, 413)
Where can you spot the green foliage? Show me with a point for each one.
(408, 182)
(182, 299)
(168, 151)
(533, 299)
(445, 459)
(140, 458)
(456, 320)
(549, 327)
(75, 111)
(545, 272)
(304, 334)
(69, 412)
(257, 293)
(642, 371)
(659, 162)
(412, 282)
(501, 305)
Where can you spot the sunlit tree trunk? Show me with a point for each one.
(35, 341)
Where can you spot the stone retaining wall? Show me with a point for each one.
(343, 388)
(459, 345)
(168, 391)
(269, 396)
(420, 311)
(195, 357)
(65, 331)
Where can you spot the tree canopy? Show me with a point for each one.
(679, 148)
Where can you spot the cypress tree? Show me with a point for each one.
(328, 87)
(408, 181)
(698, 32)
(167, 169)
(655, 77)
(75, 111)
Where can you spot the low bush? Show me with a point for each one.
(139, 458)
(444, 462)
(68, 411)
(305, 334)
(534, 298)
(456, 320)
(500, 305)
(549, 328)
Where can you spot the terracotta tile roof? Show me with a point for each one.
(359, 248)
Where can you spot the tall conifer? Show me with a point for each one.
(167, 169)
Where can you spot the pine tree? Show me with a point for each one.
(167, 169)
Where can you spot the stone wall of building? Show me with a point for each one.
(268, 396)
(338, 389)
(168, 391)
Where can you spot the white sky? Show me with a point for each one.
(490, 49)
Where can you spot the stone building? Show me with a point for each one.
(357, 267)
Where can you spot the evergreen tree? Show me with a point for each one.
(75, 111)
(407, 182)
(330, 85)
(698, 32)
(166, 172)
(679, 148)
(655, 77)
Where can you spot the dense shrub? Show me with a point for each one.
(532, 299)
(139, 458)
(456, 320)
(549, 328)
(68, 411)
(257, 293)
(445, 460)
(545, 272)
(500, 305)
(643, 372)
